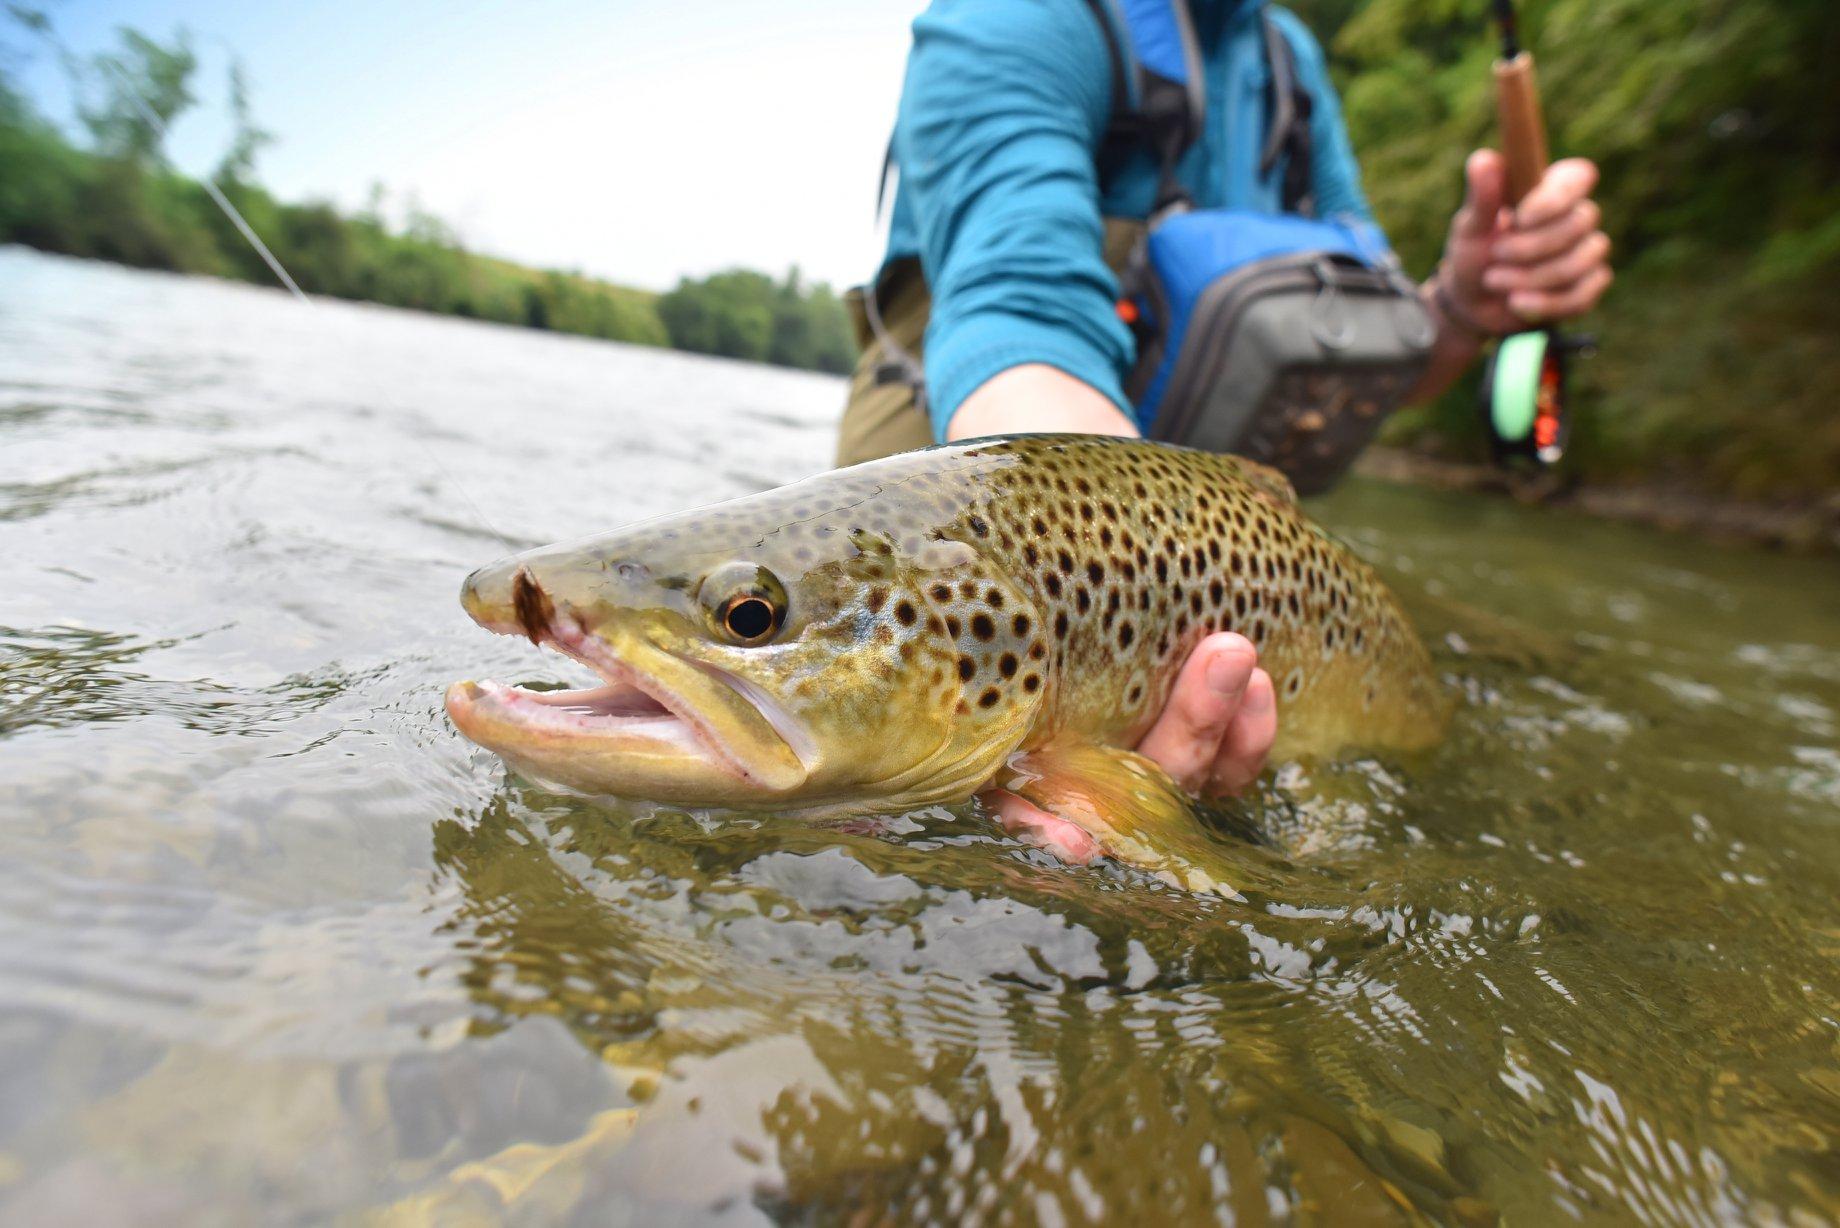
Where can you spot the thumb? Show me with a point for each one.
(1186, 738)
(1485, 179)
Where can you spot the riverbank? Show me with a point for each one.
(1804, 526)
(119, 201)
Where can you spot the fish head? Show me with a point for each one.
(751, 658)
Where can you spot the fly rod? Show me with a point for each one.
(1524, 385)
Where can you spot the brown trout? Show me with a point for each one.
(1010, 611)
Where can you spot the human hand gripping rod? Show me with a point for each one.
(1523, 387)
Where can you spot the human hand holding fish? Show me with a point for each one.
(1212, 738)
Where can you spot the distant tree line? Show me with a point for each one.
(744, 314)
(114, 198)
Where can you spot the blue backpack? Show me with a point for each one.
(1281, 337)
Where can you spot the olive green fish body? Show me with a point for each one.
(895, 633)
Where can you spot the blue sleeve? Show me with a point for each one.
(1334, 174)
(1003, 106)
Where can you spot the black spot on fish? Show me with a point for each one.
(905, 613)
(989, 698)
(1007, 665)
(966, 668)
(982, 627)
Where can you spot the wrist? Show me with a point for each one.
(1452, 313)
(1036, 397)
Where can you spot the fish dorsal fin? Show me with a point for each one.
(1129, 807)
(1266, 480)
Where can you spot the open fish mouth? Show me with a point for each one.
(657, 726)
(624, 706)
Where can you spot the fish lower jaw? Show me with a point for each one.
(636, 735)
(609, 741)
(616, 710)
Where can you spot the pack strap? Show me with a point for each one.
(1159, 93)
(1159, 98)
(1287, 134)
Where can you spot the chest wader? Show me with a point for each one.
(883, 414)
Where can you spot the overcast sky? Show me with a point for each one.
(636, 141)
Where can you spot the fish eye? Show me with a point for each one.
(747, 603)
(748, 618)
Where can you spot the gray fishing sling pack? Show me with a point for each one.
(1293, 360)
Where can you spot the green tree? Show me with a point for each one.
(833, 340)
(743, 314)
(136, 93)
(247, 139)
(729, 314)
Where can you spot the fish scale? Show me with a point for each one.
(939, 616)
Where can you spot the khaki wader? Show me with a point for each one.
(881, 419)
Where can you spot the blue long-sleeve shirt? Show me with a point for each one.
(1001, 117)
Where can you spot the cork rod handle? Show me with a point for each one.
(1523, 130)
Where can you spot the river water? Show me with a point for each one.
(277, 945)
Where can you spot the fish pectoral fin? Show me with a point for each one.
(1085, 800)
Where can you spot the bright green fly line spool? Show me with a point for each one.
(1523, 397)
